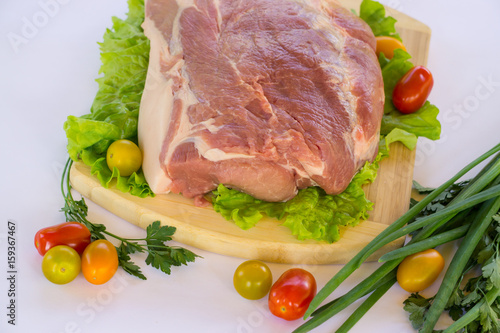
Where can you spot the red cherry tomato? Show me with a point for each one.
(99, 261)
(292, 293)
(72, 234)
(412, 90)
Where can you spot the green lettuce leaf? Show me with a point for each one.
(135, 184)
(242, 208)
(397, 134)
(423, 122)
(373, 13)
(115, 110)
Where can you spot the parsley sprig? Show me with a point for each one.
(160, 255)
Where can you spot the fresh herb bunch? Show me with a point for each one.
(160, 256)
(475, 296)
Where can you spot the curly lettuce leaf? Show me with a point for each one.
(373, 13)
(311, 214)
(423, 122)
(243, 209)
(135, 184)
(397, 134)
(115, 110)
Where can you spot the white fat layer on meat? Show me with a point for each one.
(342, 85)
(219, 15)
(153, 120)
(312, 170)
(364, 149)
(215, 154)
(158, 99)
(175, 43)
(209, 125)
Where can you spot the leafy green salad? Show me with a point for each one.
(312, 214)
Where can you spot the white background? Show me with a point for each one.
(51, 75)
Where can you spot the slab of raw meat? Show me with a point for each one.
(265, 96)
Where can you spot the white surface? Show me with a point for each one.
(51, 75)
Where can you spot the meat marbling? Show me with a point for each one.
(265, 96)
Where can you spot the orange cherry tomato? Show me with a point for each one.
(99, 261)
(418, 271)
(412, 90)
(387, 45)
(292, 293)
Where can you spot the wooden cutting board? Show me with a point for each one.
(269, 241)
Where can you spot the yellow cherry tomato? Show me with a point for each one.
(387, 45)
(252, 279)
(124, 155)
(418, 271)
(61, 264)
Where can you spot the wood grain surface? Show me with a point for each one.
(269, 241)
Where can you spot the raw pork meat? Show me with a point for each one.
(265, 96)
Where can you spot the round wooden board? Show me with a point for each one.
(269, 241)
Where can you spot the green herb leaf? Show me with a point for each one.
(161, 233)
(422, 189)
(126, 263)
(417, 306)
(455, 301)
(488, 319)
(491, 271)
(162, 256)
(486, 254)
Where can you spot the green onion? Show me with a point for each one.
(361, 256)
(326, 312)
(439, 218)
(426, 244)
(367, 305)
(377, 285)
